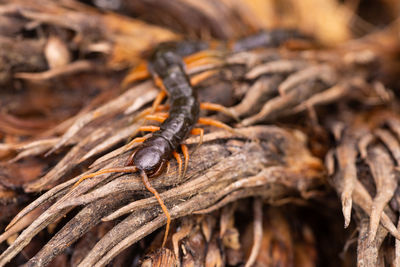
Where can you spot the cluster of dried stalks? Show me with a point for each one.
(299, 105)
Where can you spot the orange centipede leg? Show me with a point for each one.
(185, 152)
(212, 122)
(148, 128)
(135, 141)
(163, 93)
(138, 73)
(91, 175)
(219, 108)
(160, 97)
(149, 111)
(198, 131)
(148, 186)
(197, 78)
(160, 117)
(179, 160)
(202, 57)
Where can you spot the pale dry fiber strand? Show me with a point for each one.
(390, 142)
(382, 170)
(281, 105)
(22, 223)
(280, 66)
(394, 125)
(323, 73)
(39, 148)
(328, 96)
(368, 254)
(363, 143)
(346, 155)
(74, 67)
(258, 232)
(262, 90)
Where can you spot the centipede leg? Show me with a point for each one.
(212, 122)
(135, 141)
(160, 97)
(202, 57)
(219, 108)
(160, 117)
(149, 187)
(197, 78)
(91, 175)
(198, 131)
(185, 152)
(149, 111)
(148, 128)
(140, 72)
(179, 160)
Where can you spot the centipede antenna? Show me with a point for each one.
(91, 175)
(151, 189)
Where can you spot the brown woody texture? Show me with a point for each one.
(317, 145)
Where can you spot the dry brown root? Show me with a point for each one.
(211, 180)
(215, 240)
(162, 257)
(230, 166)
(257, 233)
(365, 176)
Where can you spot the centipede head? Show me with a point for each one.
(149, 159)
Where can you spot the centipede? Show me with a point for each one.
(167, 67)
(151, 157)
